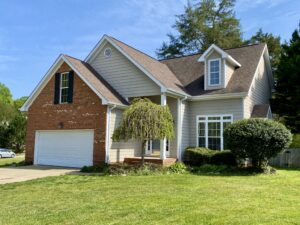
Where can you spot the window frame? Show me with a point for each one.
(209, 72)
(221, 120)
(61, 88)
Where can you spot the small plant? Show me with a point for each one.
(178, 168)
(95, 169)
(257, 139)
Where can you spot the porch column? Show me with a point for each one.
(163, 101)
(179, 128)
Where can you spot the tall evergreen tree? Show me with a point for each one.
(202, 24)
(286, 100)
(273, 43)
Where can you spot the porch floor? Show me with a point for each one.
(149, 159)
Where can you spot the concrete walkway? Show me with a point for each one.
(23, 173)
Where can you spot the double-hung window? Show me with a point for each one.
(210, 131)
(64, 87)
(214, 67)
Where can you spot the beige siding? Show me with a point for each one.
(123, 75)
(214, 55)
(119, 150)
(214, 107)
(260, 92)
(229, 70)
(172, 103)
(185, 126)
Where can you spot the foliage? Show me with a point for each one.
(12, 121)
(201, 156)
(133, 170)
(296, 141)
(286, 101)
(144, 120)
(201, 25)
(273, 43)
(257, 139)
(178, 167)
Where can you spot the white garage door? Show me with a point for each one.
(71, 148)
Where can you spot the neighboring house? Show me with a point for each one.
(75, 108)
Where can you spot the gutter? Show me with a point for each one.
(219, 96)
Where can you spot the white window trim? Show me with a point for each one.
(60, 87)
(210, 60)
(206, 127)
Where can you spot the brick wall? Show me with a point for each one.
(86, 112)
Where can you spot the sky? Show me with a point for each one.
(33, 32)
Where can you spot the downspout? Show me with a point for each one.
(107, 133)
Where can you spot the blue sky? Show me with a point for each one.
(33, 33)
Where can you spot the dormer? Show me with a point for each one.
(219, 67)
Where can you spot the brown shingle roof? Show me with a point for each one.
(190, 72)
(96, 81)
(159, 70)
(260, 111)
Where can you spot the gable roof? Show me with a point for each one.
(154, 69)
(223, 54)
(101, 88)
(190, 72)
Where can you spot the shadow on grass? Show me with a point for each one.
(15, 164)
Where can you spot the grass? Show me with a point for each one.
(18, 160)
(159, 199)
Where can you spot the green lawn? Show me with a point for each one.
(9, 161)
(160, 199)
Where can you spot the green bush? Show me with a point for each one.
(296, 141)
(197, 156)
(95, 169)
(178, 168)
(201, 156)
(257, 139)
(211, 169)
(223, 158)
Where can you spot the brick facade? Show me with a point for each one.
(86, 112)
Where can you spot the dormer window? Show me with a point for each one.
(214, 71)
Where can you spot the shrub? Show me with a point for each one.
(95, 169)
(211, 169)
(296, 141)
(201, 156)
(257, 139)
(197, 156)
(178, 168)
(223, 158)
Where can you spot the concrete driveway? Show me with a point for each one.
(23, 173)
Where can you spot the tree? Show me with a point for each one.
(273, 43)
(201, 25)
(144, 120)
(257, 139)
(286, 100)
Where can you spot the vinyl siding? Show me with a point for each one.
(123, 75)
(172, 103)
(119, 150)
(229, 70)
(260, 92)
(185, 126)
(214, 107)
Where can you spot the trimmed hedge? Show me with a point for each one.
(257, 139)
(201, 156)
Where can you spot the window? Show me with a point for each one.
(64, 87)
(214, 71)
(210, 131)
(107, 52)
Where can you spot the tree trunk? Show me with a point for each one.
(143, 152)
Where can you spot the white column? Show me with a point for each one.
(163, 101)
(179, 129)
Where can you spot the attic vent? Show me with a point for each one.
(107, 52)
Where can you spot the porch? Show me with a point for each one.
(150, 159)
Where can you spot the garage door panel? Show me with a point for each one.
(72, 148)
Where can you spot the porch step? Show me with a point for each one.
(158, 161)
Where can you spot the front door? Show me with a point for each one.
(148, 148)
